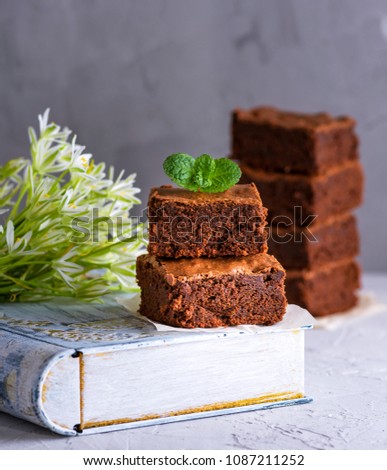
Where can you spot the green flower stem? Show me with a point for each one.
(16, 281)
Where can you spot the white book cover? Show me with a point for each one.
(82, 368)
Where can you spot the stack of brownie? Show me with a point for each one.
(207, 264)
(307, 170)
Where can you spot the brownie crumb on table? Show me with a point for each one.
(208, 292)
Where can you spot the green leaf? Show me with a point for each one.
(180, 168)
(204, 174)
(204, 167)
(225, 175)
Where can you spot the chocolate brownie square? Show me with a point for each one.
(296, 198)
(209, 292)
(329, 289)
(193, 224)
(298, 248)
(274, 140)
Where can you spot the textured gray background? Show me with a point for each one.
(138, 80)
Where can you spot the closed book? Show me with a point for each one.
(84, 368)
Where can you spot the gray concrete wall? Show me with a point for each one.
(140, 79)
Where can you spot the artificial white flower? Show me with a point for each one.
(44, 198)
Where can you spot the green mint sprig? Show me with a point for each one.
(205, 174)
(41, 197)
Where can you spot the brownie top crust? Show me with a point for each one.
(291, 120)
(240, 193)
(180, 268)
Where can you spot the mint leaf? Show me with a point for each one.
(180, 168)
(204, 174)
(226, 173)
(204, 168)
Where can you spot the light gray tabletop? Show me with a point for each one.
(346, 374)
